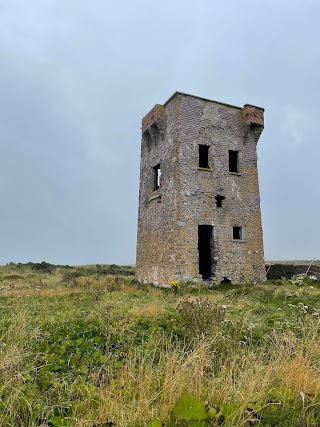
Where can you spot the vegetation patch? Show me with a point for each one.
(80, 346)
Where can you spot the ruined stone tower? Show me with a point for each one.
(199, 203)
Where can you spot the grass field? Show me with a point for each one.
(88, 346)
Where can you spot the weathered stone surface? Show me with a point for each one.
(167, 246)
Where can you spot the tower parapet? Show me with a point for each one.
(252, 114)
(253, 118)
(156, 115)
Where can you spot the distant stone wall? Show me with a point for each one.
(278, 271)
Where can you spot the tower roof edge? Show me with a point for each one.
(202, 98)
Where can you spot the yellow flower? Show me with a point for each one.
(175, 284)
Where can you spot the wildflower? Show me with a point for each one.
(297, 279)
(175, 284)
(303, 308)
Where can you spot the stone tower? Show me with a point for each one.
(199, 204)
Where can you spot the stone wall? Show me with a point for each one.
(279, 271)
(157, 209)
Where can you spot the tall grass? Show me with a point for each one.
(108, 350)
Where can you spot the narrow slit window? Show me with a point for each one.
(203, 156)
(237, 233)
(233, 161)
(156, 177)
(219, 200)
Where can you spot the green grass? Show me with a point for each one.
(87, 346)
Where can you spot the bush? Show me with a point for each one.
(200, 317)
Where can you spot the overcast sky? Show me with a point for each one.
(77, 76)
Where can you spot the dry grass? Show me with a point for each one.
(59, 291)
(150, 358)
(299, 374)
(151, 310)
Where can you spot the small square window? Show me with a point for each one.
(203, 156)
(233, 161)
(237, 233)
(156, 177)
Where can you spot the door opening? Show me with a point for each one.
(204, 247)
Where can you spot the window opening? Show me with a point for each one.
(203, 156)
(156, 177)
(219, 200)
(205, 239)
(237, 233)
(154, 127)
(233, 161)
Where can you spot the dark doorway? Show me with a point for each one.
(204, 246)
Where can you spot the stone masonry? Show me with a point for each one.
(199, 204)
